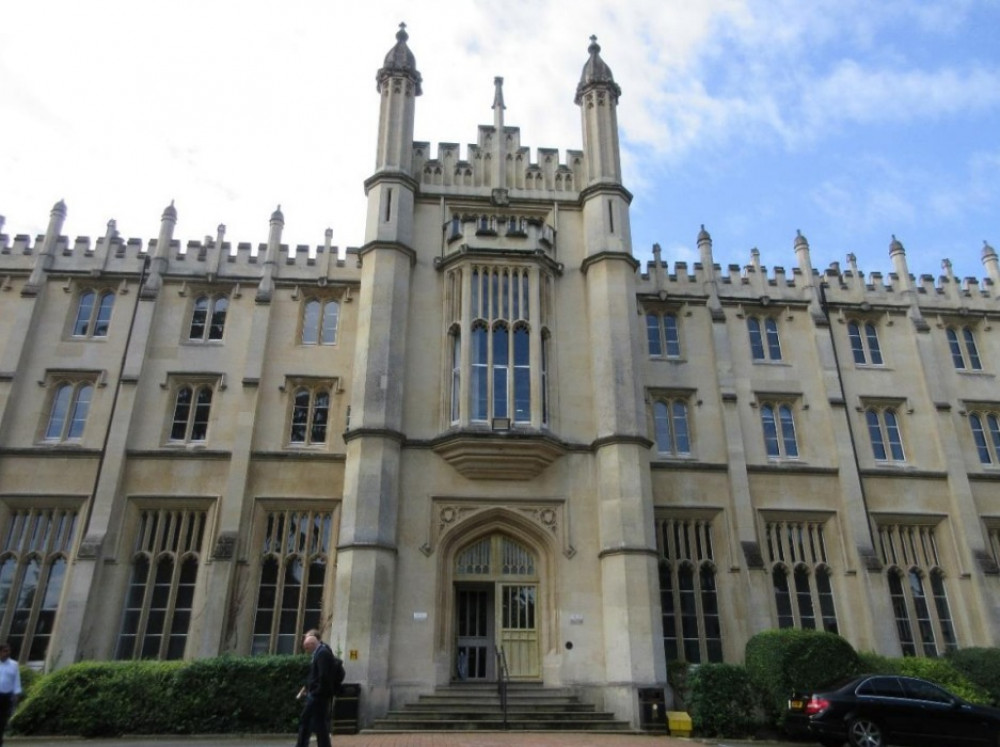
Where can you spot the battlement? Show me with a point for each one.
(446, 171)
(209, 258)
(753, 283)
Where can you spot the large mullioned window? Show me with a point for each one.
(294, 553)
(160, 599)
(689, 598)
(498, 345)
(800, 575)
(37, 543)
(917, 589)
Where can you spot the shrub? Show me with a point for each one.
(981, 666)
(721, 700)
(942, 672)
(678, 673)
(90, 699)
(780, 662)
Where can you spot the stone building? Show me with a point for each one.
(488, 428)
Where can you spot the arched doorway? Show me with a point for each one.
(496, 608)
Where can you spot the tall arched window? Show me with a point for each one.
(505, 382)
(159, 602)
(883, 430)
(864, 343)
(310, 415)
(779, 430)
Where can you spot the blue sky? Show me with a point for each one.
(851, 120)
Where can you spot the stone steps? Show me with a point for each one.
(476, 707)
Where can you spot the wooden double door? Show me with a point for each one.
(497, 611)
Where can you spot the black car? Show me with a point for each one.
(875, 710)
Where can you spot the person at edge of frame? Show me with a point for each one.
(317, 691)
(10, 687)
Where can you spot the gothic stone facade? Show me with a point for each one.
(488, 428)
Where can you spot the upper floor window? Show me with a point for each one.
(68, 411)
(986, 433)
(34, 554)
(93, 313)
(964, 353)
(192, 408)
(779, 430)
(670, 423)
(917, 590)
(764, 342)
(883, 430)
(208, 318)
(864, 343)
(319, 322)
(160, 600)
(505, 345)
(310, 413)
(661, 335)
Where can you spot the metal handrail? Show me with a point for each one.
(503, 679)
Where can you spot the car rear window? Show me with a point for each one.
(884, 687)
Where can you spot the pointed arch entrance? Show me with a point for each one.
(496, 603)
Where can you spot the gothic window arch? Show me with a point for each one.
(310, 412)
(37, 543)
(159, 601)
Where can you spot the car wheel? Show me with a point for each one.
(863, 732)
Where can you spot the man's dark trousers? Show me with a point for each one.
(315, 720)
(6, 709)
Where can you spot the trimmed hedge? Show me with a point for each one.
(780, 662)
(210, 696)
(939, 671)
(721, 700)
(981, 666)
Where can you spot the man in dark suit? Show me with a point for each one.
(317, 692)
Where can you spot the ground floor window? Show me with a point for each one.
(160, 596)
(689, 600)
(800, 575)
(33, 558)
(294, 555)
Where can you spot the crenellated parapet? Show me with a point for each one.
(445, 171)
(211, 259)
(843, 286)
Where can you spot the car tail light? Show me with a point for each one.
(815, 705)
